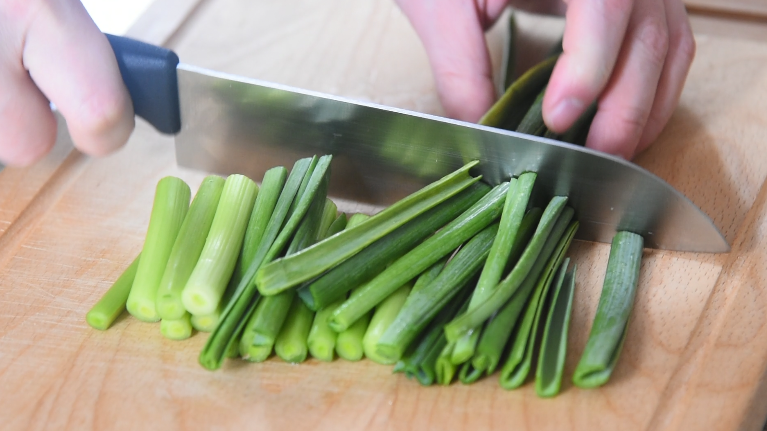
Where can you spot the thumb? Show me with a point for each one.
(452, 32)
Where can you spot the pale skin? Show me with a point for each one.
(632, 56)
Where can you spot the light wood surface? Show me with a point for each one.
(697, 345)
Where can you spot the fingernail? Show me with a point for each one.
(565, 113)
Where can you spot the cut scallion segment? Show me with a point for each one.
(205, 323)
(105, 312)
(301, 267)
(291, 342)
(245, 297)
(271, 188)
(322, 340)
(349, 342)
(551, 359)
(409, 266)
(171, 203)
(497, 330)
(610, 326)
(514, 208)
(421, 361)
(424, 304)
(472, 319)
(384, 315)
(373, 259)
(211, 275)
(176, 329)
(329, 212)
(519, 361)
(188, 247)
(444, 368)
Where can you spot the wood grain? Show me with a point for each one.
(694, 356)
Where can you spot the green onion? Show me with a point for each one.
(109, 307)
(338, 225)
(176, 329)
(517, 199)
(291, 342)
(329, 212)
(210, 276)
(424, 304)
(291, 271)
(608, 333)
(421, 361)
(187, 248)
(384, 316)
(444, 367)
(349, 342)
(497, 330)
(271, 187)
(272, 312)
(245, 297)
(519, 362)
(532, 123)
(171, 202)
(273, 242)
(506, 288)
(373, 259)
(551, 359)
(404, 269)
(322, 340)
(208, 322)
(508, 111)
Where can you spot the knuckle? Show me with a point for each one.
(102, 110)
(653, 38)
(685, 47)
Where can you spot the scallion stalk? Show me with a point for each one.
(108, 308)
(171, 203)
(513, 213)
(551, 359)
(424, 304)
(296, 269)
(291, 342)
(269, 192)
(349, 342)
(519, 361)
(188, 248)
(384, 315)
(608, 332)
(277, 233)
(211, 275)
(417, 260)
(472, 319)
(369, 262)
(176, 329)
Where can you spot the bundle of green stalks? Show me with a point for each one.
(456, 279)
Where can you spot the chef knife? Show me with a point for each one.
(230, 124)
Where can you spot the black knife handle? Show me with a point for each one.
(149, 72)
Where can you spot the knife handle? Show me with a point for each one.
(149, 72)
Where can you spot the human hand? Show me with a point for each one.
(50, 50)
(632, 56)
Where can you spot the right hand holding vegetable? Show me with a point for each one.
(51, 51)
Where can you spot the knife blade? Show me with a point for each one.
(232, 124)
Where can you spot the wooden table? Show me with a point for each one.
(697, 346)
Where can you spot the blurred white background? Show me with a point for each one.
(115, 16)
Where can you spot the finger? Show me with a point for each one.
(625, 104)
(452, 32)
(71, 61)
(594, 30)
(681, 51)
(27, 126)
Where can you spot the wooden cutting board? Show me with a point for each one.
(696, 351)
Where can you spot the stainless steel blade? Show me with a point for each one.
(232, 124)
